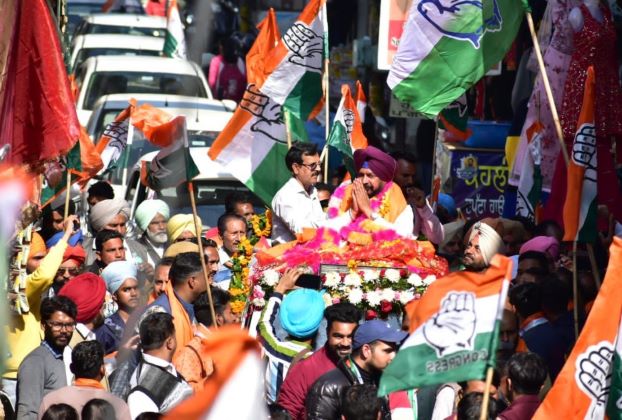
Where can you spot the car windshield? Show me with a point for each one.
(210, 198)
(105, 83)
(76, 10)
(86, 53)
(98, 28)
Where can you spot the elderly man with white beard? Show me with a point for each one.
(152, 217)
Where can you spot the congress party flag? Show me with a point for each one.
(174, 41)
(235, 389)
(295, 65)
(455, 330)
(580, 205)
(361, 101)
(589, 385)
(530, 182)
(268, 38)
(113, 141)
(446, 47)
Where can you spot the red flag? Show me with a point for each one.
(39, 118)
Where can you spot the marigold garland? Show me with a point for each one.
(239, 288)
(266, 220)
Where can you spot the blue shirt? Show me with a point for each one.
(162, 301)
(110, 334)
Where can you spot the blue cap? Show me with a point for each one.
(301, 312)
(448, 203)
(376, 329)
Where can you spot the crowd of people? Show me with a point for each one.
(111, 315)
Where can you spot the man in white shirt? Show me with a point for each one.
(156, 386)
(231, 231)
(296, 205)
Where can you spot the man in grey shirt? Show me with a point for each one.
(43, 370)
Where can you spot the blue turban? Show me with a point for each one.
(147, 210)
(116, 273)
(448, 203)
(301, 312)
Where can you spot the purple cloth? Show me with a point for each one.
(381, 164)
(522, 408)
(544, 244)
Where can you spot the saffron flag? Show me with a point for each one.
(39, 119)
(455, 330)
(235, 389)
(267, 39)
(174, 41)
(294, 66)
(158, 126)
(113, 141)
(253, 145)
(361, 101)
(530, 182)
(580, 205)
(346, 134)
(582, 389)
(447, 47)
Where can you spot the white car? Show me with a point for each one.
(120, 23)
(78, 9)
(104, 75)
(92, 45)
(205, 119)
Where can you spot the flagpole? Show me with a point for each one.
(575, 299)
(326, 101)
(483, 415)
(198, 229)
(67, 193)
(547, 87)
(592, 257)
(287, 130)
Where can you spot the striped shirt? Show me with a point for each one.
(279, 353)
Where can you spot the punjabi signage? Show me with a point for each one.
(479, 180)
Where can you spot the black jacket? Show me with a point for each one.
(324, 399)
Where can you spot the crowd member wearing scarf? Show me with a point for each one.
(152, 217)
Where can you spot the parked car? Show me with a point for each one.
(78, 9)
(211, 186)
(93, 45)
(121, 23)
(104, 75)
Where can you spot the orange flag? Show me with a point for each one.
(90, 157)
(361, 101)
(235, 390)
(581, 390)
(159, 127)
(267, 39)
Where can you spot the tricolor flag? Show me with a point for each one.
(268, 38)
(455, 119)
(530, 183)
(235, 389)
(294, 67)
(455, 330)
(174, 42)
(361, 101)
(113, 141)
(589, 384)
(580, 205)
(446, 47)
(253, 145)
(346, 134)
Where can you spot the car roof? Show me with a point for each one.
(209, 168)
(145, 64)
(126, 19)
(130, 42)
(202, 114)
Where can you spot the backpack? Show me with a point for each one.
(231, 81)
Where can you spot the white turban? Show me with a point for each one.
(103, 212)
(148, 209)
(116, 273)
(490, 243)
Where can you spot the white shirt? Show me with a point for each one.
(224, 258)
(295, 209)
(138, 401)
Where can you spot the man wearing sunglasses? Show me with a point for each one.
(296, 205)
(72, 265)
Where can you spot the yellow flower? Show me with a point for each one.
(352, 265)
(237, 307)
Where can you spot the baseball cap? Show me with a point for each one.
(376, 329)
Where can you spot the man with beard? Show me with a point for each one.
(43, 370)
(152, 217)
(73, 261)
(373, 196)
(88, 292)
(484, 242)
(374, 347)
(426, 222)
(342, 319)
(121, 283)
(296, 205)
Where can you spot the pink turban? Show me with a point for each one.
(381, 164)
(544, 244)
(87, 291)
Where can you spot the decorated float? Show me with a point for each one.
(373, 268)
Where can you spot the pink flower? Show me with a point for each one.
(258, 292)
(397, 296)
(336, 300)
(370, 314)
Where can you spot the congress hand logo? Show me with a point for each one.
(453, 327)
(306, 45)
(593, 376)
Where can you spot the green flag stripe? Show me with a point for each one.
(614, 403)
(305, 95)
(170, 44)
(270, 175)
(587, 232)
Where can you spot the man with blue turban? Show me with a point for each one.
(122, 286)
(151, 218)
(300, 313)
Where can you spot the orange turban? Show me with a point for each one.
(37, 245)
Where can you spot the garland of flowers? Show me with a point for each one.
(261, 226)
(239, 287)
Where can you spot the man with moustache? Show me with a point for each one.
(296, 205)
(152, 217)
(44, 370)
(122, 284)
(484, 242)
(231, 230)
(342, 319)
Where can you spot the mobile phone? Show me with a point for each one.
(309, 281)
